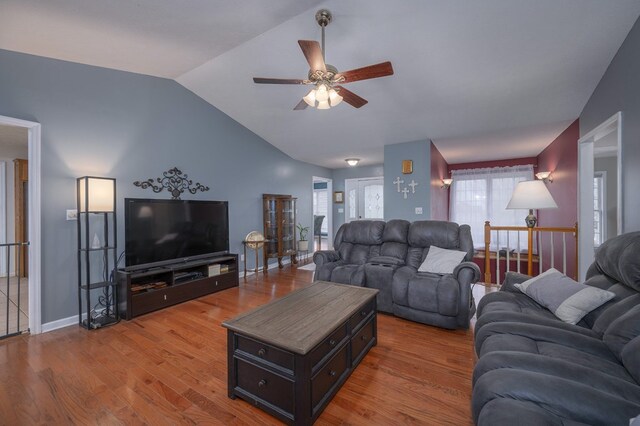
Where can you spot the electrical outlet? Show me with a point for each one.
(72, 214)
(418, 210)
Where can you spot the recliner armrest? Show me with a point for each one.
(325, 256)
(462, 270)
(386, 261)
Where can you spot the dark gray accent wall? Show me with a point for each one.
(103, 122)
(339, 176)
(619, 90)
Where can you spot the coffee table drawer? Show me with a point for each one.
(359, 317)
(327, 345)
(328, 376)
(265, 385)
(361, 339)
(266, 352)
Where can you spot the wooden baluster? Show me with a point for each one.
(539, 253)
(530, 251)
(518, 255)
(564, 253)
(487, 253)
(507, 253)
(498, 257)
(552, 250)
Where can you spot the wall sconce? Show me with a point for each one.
(545, 176)
(446, 183)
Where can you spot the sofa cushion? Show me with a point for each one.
(630, 358)
(365, 232)
(567, 299)
(622, 331)
(618, 258)
(441, 261)
(348, 274)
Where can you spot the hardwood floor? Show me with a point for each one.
(169, 367)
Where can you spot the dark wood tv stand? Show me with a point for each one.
(143, 291)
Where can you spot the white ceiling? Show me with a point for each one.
(484, 80)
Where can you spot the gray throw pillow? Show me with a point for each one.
(441, 261)
(563, 296)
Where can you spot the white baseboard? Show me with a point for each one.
(63, 322)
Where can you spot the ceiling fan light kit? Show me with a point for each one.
(326, 78)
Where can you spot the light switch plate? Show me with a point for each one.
(72, 214)
(418, 210)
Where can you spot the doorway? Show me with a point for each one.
(322, 214)
(364, 198)
(21, 244)
(599, 189)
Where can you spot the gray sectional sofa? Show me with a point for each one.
(386, 256)
(534, 369)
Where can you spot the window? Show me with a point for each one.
(599, 202)
(478, 195)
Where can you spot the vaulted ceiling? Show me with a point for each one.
(484, 80)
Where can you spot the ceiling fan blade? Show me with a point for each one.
(351, 98)
(301, 105)
(261, 80)
(313, 53)
(372, 71)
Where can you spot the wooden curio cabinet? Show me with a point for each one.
(279, 227)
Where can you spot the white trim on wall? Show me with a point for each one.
(4, 268)
(35, 184)
(585, 188)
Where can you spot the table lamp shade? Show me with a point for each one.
(532, 194)
(100, 194)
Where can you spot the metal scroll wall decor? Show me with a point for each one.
(174, 181)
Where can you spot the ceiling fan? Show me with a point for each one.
(327, 80)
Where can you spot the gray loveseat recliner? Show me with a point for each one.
(386, 256)
(535, 369)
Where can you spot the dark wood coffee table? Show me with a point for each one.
(290, 356)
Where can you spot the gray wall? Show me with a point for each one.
(339, 176)
(395, 205)
(619, 90)
(102, 122)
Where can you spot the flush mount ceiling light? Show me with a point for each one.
(328, 92)
(352, 161)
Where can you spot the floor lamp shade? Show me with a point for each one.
(532, 194)
(96, 194)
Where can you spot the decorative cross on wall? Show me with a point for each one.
(397, 182)
(413, 185)
(405, 191)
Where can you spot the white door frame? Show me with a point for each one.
(585, 189)
(329, 209)
(3, 216)
(35, 167)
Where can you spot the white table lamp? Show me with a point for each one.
(532, 194)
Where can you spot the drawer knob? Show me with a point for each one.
(262, 352)
(165, 297)
(364, 337)
(332, 373)
(262, 383)
(332, 342)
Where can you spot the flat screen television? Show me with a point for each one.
(159, 232)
